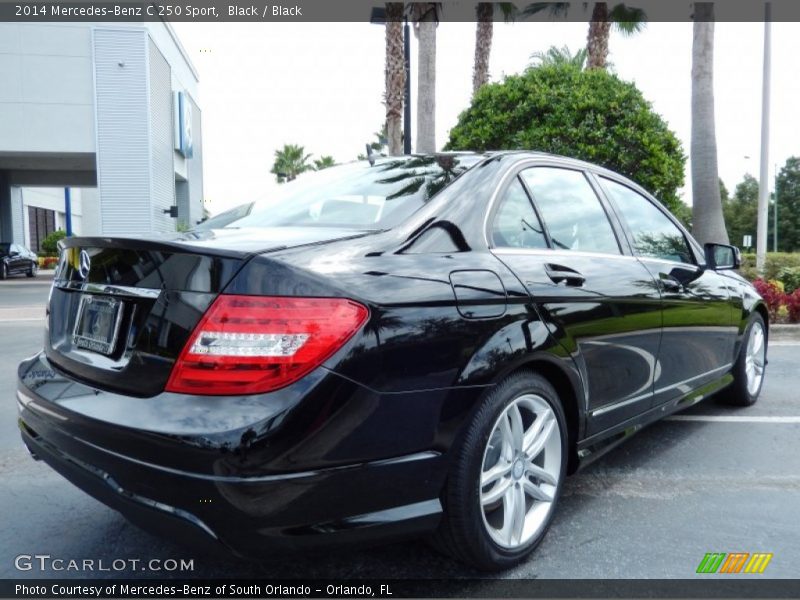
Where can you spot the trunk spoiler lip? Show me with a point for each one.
(180, 244)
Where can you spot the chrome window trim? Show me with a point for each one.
(554, 162)
(554, 252)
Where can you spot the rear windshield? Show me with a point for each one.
(358, 195)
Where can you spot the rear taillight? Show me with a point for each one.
(253, 344)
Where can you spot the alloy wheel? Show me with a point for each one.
(755, 358)
(521, 470)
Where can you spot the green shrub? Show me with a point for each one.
(590, 115)
(790, 277)
(50, 243)
(774, 264)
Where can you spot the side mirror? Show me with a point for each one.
(720, 257)
(13, 253)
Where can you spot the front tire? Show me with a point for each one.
(750, 367)
(32, 270)
(507, 475)
(3, 271)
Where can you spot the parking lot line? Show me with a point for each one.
(732, 419)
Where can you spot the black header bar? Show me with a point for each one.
(359, 10)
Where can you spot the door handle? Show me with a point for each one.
(669, 283)
(559, 273)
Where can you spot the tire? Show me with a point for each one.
(750, 364)
(32, 270)
(474, 528)
(3, 271)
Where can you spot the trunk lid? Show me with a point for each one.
(121, 309)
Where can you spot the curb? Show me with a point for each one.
(785, 332)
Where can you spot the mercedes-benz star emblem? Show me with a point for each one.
(84, 264)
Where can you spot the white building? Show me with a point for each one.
(108, 110)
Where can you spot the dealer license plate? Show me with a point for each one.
(97, 324)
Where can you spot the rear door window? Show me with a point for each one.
(571, 210)
(515, 223)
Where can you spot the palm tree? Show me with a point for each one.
(484, 17)
(708, 223)
(558, 57)
(625, 19)
(290, 162)
(426, 18)
(323, 162)
(395, 77)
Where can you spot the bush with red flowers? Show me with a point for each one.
(793, 306)
(780, 305)
(773, 296)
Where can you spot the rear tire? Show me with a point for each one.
(3, 271)
(750, 367)
(506, 477)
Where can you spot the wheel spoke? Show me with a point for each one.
(535, 492)
(498, 491)
(516, 427)
(507, 438)
(758, 341)
(538, 443)
(536, 428)
(540, 474)
(501, 469)
(513, 515)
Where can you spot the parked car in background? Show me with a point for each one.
(424, 345)
(16, 260)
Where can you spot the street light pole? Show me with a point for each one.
(763, 182)
(775, 214)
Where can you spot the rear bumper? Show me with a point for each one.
(206, 490)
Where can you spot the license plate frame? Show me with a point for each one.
(97, 324)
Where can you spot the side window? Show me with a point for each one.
(571, 210)
(515, 223)
(654, 234)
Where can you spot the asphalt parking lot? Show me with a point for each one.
(711, 480)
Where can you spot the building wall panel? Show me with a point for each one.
(162, 187)
(123, 139)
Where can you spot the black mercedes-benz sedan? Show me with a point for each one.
(17, 259)
(423, 345)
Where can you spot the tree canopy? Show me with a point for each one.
(741, 210)
(788, 194)
(590, 115)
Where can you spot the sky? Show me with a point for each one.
(321, 85)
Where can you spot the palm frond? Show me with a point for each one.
(555, 56)
(553, 9)
(627, 19)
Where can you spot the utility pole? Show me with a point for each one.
(763, 181)
(775, 214)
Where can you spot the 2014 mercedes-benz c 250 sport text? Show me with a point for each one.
(421, 345)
